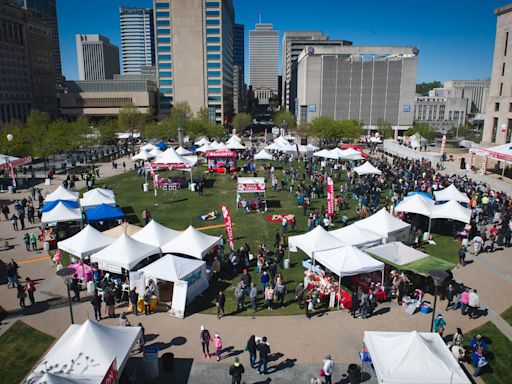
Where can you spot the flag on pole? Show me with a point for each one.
(330, 197)
(229, 226)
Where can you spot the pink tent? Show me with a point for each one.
(82, 268)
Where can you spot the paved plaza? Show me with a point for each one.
(298, 344)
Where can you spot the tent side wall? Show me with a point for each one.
(197, 283)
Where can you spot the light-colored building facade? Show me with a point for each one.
(369, 84)
(498, 114)
(104, 98)
(98, 59)
(238, 68)
(27, 78)
(292, 44)
(136, 38)
(194, 55)
(475, 91)
(263, 61)
(440, 112)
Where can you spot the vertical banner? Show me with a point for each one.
(229, 226)
(471, 160)
(483, 170)
(330, 197)
(443, 144)
(11, 171)
(111, 375)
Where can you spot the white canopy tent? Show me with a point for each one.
(397, 253)
(412, 357)
(234, 139)
(97, 197)
(235, 145)
(204, 148)
(155, 234)
(85, 353)
(351, 154)
(86, 242)
(60, 214)
(124, 228)
(155, 152)
(50, 378)
(451, 210)
(105, 191)
(312, 147)
(186, 273)
(367, 169)
(62, 193)
(173, 159)
(202, 141)
(281, 141)
(277, 147)
(348, 261)
(358, 237)
(337, 152)
(326, 154)
(416, 204)
(192, 243)
(385, 224)
(143, 155)
(314, 241)
(125, 252)
(4, 159)
(214, 145)
(221, 146)
(451, 193)
(263, 155)
(147, 147)
(183, 151)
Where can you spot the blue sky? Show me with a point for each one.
(455, 37)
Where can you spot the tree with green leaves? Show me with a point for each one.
(37, 133)
(424, 88)
(423, 129)
(19, 146)
(202, 115)
(385, 130)
(241, 121)
(285, 119)
(107, 131)
(130, 119)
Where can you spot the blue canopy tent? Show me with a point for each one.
(47, 207)
(161, 146)
(104, 212)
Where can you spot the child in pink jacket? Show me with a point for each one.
(218, 345)
(464, 301)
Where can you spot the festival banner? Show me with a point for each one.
(229, 226)
(13, 176)
(111, 375)
(16, 162)
(330, 197)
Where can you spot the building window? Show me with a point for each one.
(162, 14)
(506, 44)
(164, 57)
(214, 98)
(496, 107)
(303, 113)
(163, 23)
(503, 70)
(163, 40)
(164, 49)
(213, 90)
(164, 74)
(166, 90)
(494, 129)
(212, 21)
(212, 13)
(213, 81)
(212, 4)
(509, 131)
(213, 56)
(214, 48)
(162, 5)
(165, 65)
(212, 31)
(213, 74)
(165, 82)
(213, 65)
(510, 107)
(213, 39)
(501, 89)
(163, 31)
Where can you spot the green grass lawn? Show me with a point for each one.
(179, 209)
(507, 315)
(22, 347)
(500, 354)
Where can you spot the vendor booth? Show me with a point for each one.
(417, 204)
(88, 353)
(367, 169)
(204, 148)
(412, 357)
(397, 253)
(386, 225)
(263, 155)
(47, 207)
(192, 243)
(155, 234)
(254, 185)
(221, 160)
(501, 153)
(62, 193)
(202, 141)
(96, 197)
(326, 154)
(61, 213)
(451, 193)
(451, 210)
(124, 253)
(314, 241)
(104, 212)
(358, 237)
(183, 151)
(86, 242)
(179, 280)
(170, 159)
(121, 229)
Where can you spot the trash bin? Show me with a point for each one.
(286, 263)
(91, 287)
(146, 187)
(10, 189)
(46, 246)
(168, 361)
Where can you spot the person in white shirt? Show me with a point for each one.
(478, 242)
(328, 368)
(473, 304)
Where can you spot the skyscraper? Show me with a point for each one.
(194, 55)
(498, 114)
(238, 68)
(293, 43)
(98, 59)
(263, 60)
(136, 38)
(46, 11)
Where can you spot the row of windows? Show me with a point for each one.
(213, 65)
(212, 13)
(162, 5)
(214, 48)
(213, 73)
(163, 40)
(213, 39)
(212, 22)
(212, 31)
(213, 56)
(213, 81)
(165, 82)
(165, 65)
(163, 14)
(497, 107)
(212, 4)
(165, 74)
(165, 31)
(164, 48)
(214, 90)
(166, 90)
(164, 57)
(163, 23)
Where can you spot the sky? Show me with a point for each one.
(455, 37)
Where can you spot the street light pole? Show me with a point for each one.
(65, 273)
(70, 305)
(433, 310)
(438, 276)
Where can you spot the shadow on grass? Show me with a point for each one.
(206, 300)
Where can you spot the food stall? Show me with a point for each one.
(254, 185)
(221, 159)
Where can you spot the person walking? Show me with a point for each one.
(12, 276)
(146, 216)
(328, 368)
(14, 221)
(75, 287)
(264, 351)
(450, 295)
(264, 279)
(280, 292)
(221, 300)
(96, 305)
(252, 348)
(240, 296)
(473, 304)
(464, 301)
(31, 288)
(148, 294)
(123, 321)
(269, 297)
(26, 241)
(462, 255)
(33, 241)
(217, 341)
(134, 299)
(110, 303)
(6, 211)
(236, 371)
(21, 294)
(253, 294)
(355, 302)
(205, 338)
(439, 324)
(363, 305)
(299, 295)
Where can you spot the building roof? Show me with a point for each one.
(110, 86)
(502, 10)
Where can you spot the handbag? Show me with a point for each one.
(322, 372)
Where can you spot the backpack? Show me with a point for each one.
(205, 336)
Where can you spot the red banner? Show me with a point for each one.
(111, 375)
(330, 197)
(229, 226)
(221, 153)
(257, 187)
(17, 162)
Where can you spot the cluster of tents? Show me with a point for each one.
(63, 205)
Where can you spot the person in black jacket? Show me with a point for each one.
(75, 287)
(96, 304)
(251, 348)
(236, 371)
(134, 298)
(264, 350)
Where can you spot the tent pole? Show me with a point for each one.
(382, 278)
(339, 290)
